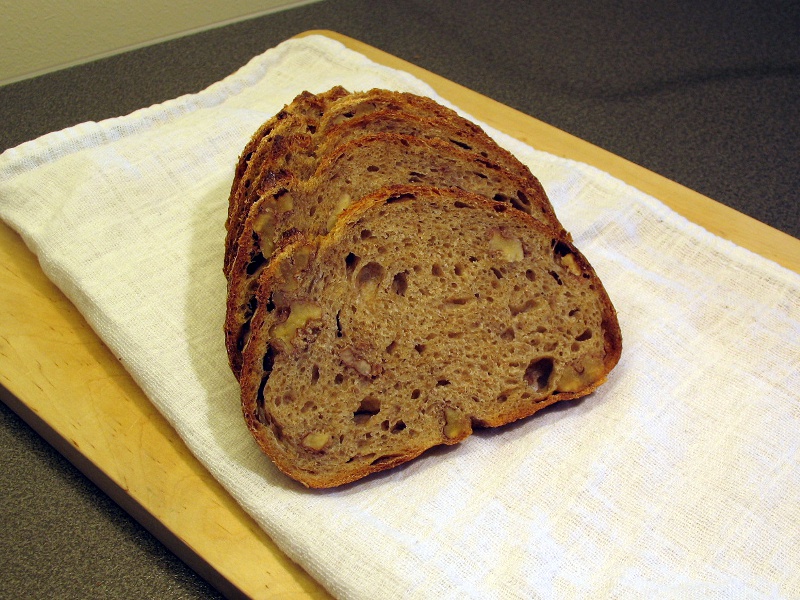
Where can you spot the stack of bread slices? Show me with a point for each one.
(395, 280)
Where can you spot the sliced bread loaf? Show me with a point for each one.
(294, 146)
(424, 313)
(305, 106)
(361, 166)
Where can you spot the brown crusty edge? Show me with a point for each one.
(303, 103)
(293, 121)
(309, 118)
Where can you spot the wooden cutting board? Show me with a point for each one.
(62, 380)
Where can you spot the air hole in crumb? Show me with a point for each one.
(522, 308)
(252, 305)
(437, 270)
(460, 204)
(415, 394)
(442, 382)
(497, 272)
(561, 249)
(338, 379)
(400, 283)
(420, 348)
(399, 197)
(458, 270)
(586, 335)
(285, 399)
(398, 427)
(314, 374)
(555, 276)
(268, 361)
(373, 168)
(391, 347)
(530, 275)
(371, 273)
(508, 334)
(368, 408)
(244, 337)
(538, 373)
(350, 263)
(261, 414)
(365, 233)
(255, 263)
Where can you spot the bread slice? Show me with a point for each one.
(291, 127)
(305, 106)
(454, 130)
(361, 166)
(424, 313)
(295, 146)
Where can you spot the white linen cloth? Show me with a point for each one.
(680, 477)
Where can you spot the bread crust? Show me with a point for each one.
(291, 144)
(297, 275)
(305, 105)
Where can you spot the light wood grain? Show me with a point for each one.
(70, 388)
(65, 382)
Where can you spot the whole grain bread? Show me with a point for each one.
(315, 126)
(305, 107)
(358, 167)
(424, 313)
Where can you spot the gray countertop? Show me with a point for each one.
(706, 94)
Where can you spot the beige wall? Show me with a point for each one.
(38, 36)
